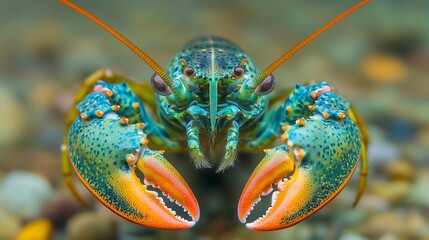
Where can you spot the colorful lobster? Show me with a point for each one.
(312, 137)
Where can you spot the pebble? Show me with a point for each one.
(9, 226)
(392, 192)
(24, 193)
(418, 195)
(400, 170)
(90, 226)
(383, 223)
(38, 230)
(60, 207)
(12, 125)
(351, 236)
(384, 68)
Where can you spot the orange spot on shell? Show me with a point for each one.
(124, 120)
(265, 150)
(311, 107)
(108, 92)
(289, 143)
(140, 125)
(130, 159)
(325, 115)
(83, 116)
(342, 115)
(135, 105)
(144, 141)
(313, 95)
(300, 154)
(284, 136)
(284, 127)
(116, 107)
(299, 122)
(97, 88)
(99, 113)
(289, 109)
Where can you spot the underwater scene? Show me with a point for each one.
(377, 58)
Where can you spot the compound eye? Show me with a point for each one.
(266, 86)
(159, 85)
(188, 71)
(238, 71)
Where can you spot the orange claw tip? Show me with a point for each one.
(161, 174)
(276, 165)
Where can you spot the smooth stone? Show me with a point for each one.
(416, 225)
(13, 120)
(384, 68)
(392, 192)
(381, 152)
(382, 223)
(400, 170)
(90, 226)
(418, 195)
(24, 193)
(9, 226)
(60, 207)
(39, 229)
(351, 236)
(389, 236)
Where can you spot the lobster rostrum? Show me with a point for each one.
(312, 137)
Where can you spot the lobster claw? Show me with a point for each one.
(113, 168)
(310, 169)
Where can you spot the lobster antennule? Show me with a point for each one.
(177, 87)
(251, 84)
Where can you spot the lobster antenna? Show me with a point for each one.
(152, 64)
(252, 84)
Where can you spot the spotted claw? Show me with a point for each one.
(107, 145)
(313, 165)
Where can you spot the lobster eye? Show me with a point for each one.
(266, 86)
(159, 85)
(238, 71)
(188, 71)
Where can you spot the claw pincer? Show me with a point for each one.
(320, 151)
(108, 146)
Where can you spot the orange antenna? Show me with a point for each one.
(152, 64)
(252, 84)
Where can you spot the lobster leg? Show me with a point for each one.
(108, 145)
(231, 147)
(354, 115)
(192, 131)
(320, 149)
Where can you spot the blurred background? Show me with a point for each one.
(378, 58)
